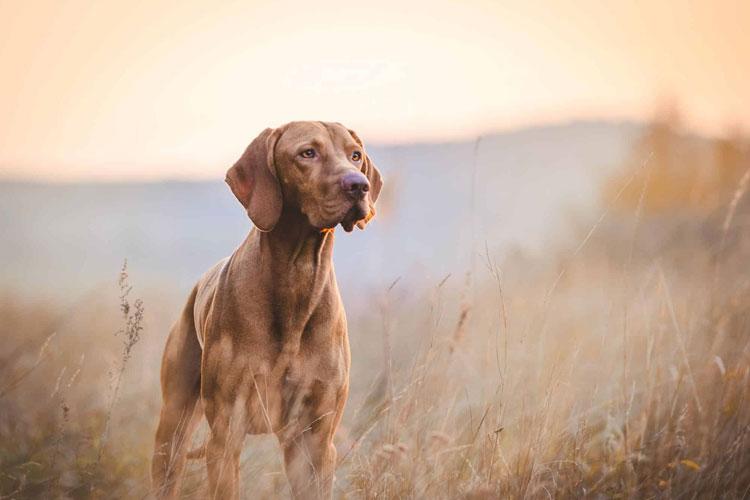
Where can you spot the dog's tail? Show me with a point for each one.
(200, 451)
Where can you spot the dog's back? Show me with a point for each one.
(205, 294)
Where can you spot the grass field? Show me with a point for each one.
(614, 364)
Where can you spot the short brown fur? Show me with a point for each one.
(261, 345)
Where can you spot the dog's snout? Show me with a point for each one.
(355, 184)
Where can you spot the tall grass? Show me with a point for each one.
(630, 380)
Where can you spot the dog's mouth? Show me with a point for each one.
(356, 213)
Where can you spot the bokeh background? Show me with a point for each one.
(553, 298)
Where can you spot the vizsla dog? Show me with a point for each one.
(261, 346)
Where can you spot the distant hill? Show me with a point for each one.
(441, 200)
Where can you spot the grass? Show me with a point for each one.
(618, 368)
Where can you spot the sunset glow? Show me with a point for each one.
(114, 90)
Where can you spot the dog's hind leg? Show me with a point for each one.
(180, 382)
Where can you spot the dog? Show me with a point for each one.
(261, 346)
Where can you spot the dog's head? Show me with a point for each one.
(319, 169)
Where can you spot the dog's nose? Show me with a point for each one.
(355, 184)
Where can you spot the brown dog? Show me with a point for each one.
(261, 346)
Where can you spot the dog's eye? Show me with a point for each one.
(356, 156)
(308, 153)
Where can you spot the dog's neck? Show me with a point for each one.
(294, 246)
(295, 261)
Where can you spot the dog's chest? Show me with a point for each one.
(295, 390)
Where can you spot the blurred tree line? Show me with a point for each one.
(669, 170)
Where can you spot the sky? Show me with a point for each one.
(110, 90)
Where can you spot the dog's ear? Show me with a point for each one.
(253, 181)
(373, 175)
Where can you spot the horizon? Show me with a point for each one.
(211, 176)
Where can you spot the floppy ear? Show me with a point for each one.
(373, 175)
(253, 181)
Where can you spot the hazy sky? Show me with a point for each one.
(149, 89)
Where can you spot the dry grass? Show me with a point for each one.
(630, 376)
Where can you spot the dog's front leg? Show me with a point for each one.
(228, 423)
(309, 461)
(309, 454)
